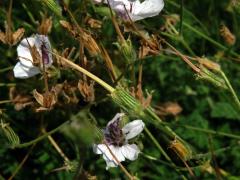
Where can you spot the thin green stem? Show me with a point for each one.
(161, 150)
(7, 84)
(5, 101)
(6, 69)
(234, 95)
(189, 13)
(157, 144)
(39, 138)
(181, 18)
(22, 163)
(205, 130)
(56, 146)
(217, 44)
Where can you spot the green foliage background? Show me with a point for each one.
(204, 105)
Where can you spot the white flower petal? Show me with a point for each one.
(137, 10)
(107, 156)
(130, 151)
(133, 128)
(148, 8)
(99, 148)
(24, 53)
(23, 73)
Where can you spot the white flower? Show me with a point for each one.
(117, 141)
(135, 9)
(25, 67)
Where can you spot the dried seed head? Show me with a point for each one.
(90, 44)
(83, 37)
(20, 101)
(170, 23)
(12, 38)
(87, 90)
(181, 151)
(37, 61)
(168, 108)
(93, 23)
(46, 100)
(138, 94)
(152, 47)
(227, 35)
(45, 26)
(209, 64)
(69, 28)
(17, 36)
(69, 92)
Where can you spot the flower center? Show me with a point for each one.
(45, 56)
(113, 134)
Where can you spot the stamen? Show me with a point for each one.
(45, 56)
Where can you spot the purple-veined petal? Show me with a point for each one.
(44, 48)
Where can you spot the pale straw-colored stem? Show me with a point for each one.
(87, 73)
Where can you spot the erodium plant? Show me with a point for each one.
(116, 89)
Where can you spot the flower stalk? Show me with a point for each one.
(119, 163)
(129, 104)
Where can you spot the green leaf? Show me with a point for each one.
(224, 110)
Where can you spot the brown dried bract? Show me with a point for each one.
(227, 35)
(138, 94)
(46, 100)
(168, 108)
(37, 61)
(66, 53)
(150, 47)
(45, 26)
(83, 37)
(209, 64)
(93, 23)
(87, 90)
(20, 101)
(67, 91)
(11, 38)
(170, 21)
